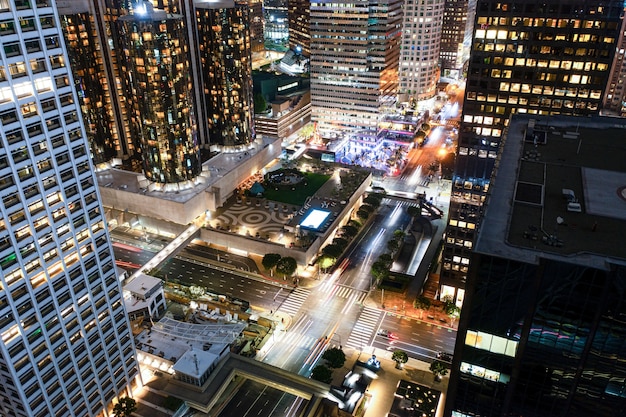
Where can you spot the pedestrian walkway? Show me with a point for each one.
(346, 292)
(293, 303)
(364, 328)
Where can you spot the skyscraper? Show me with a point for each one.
(67, 348)
(300, 26)
(86, 61)
(419, 56)
(225, 66)
(543, 331)
(155, 68)
(537, 57)
(456, 36)
(355, 51)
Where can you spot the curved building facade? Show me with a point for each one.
(223, 37)
(155, 68)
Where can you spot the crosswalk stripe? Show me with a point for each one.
(294, 301)
(364, 328)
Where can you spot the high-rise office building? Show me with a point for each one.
(155, 68)
(543, 328)
(537, 57)
(86, 61)
(419, 56)
(276, 18)
(67, 348)
(219, 95)
(355, 52)
(257, 38)
(615, 95)
(299, 26)
(225, 66)
(456, 36)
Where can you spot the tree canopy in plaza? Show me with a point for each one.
(287, 266)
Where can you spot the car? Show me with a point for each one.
(444, 356)
(387, 334)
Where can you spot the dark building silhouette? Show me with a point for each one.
(456, 36)
(543, 327)
(299, 26)
(536, 57)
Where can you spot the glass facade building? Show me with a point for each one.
(158, 87)
(536, 57)
(456, 36)
(67, 347)
(299, 26)
(543, 326)
(91, 81)
(223, 37)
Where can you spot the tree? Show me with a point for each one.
(322, 373)
(368, 208)
(125, 407)
(341, 242)
(438, 369)
(334, 357)
(287, 266)
(422, 303)
(260, 105)
(400, 358)
(450, 308)
(355, 223)
(386, 259)
(373, 200)
(332, 251)
(398, 235)
(392, 245)
(362, 214)
(326, 262)
(349, 231)
(270, 260)
(380, 270)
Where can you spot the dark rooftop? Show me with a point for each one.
(559, 192)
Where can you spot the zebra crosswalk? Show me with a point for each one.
(341, 291)
(364, 328)
(292, 304)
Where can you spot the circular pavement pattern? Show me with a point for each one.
(254, 218)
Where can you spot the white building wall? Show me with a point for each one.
(66, 349)
(419, 56)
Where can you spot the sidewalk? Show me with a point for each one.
(401, 305)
